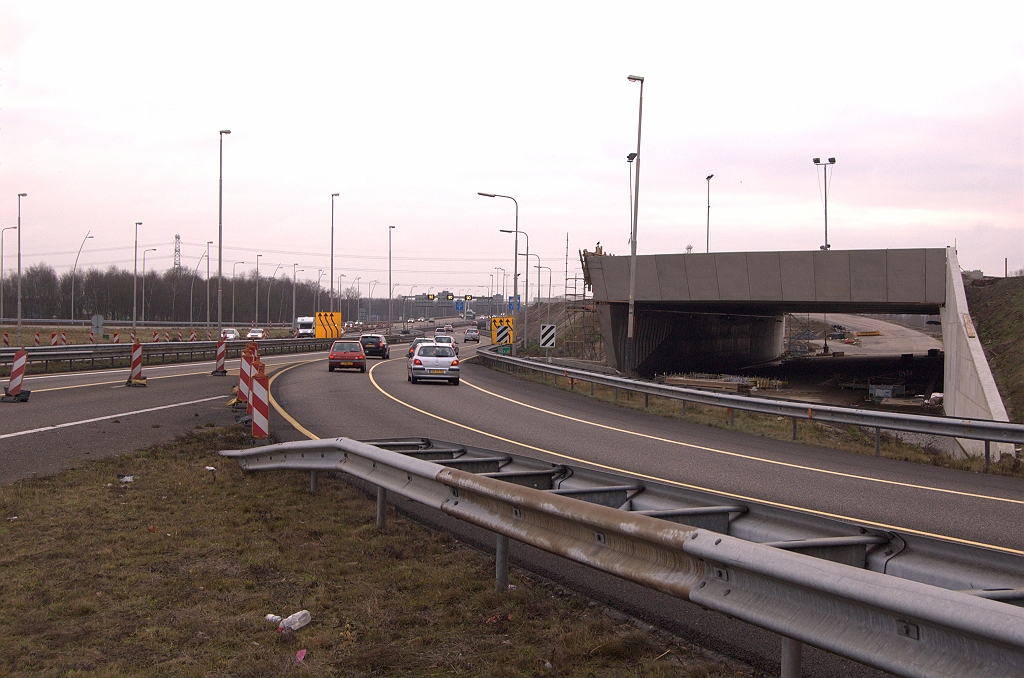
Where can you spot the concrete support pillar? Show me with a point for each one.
(501, 564)
(791, 656)
(382, 504)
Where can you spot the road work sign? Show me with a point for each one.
(502, 331)
(328, 325)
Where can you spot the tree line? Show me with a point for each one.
(174, 295)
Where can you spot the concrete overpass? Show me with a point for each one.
(721, 311)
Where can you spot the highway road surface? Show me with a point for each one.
(73, 417)
(893, 340)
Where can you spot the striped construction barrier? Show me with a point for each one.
(13, 393)
(7, 341)
(242, 398)
(37, 338)
(131, 335)
(192, 335)
(179, 335)
(92, 337)
(156, 337)
(209, 335)
(222, 354)
(53, 338)
(167, 335)
(63, 338)
(260, 405)
(253, 369)
(135, 377)
(117, 337)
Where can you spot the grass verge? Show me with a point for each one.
(172, 574)
(833, 436)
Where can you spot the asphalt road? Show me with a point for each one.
(493, 410)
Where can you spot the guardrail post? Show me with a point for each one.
(616, 394)
(591, 388)
(501, 564)
(684, 408)
(647, 399)
(878, 442)
(731, 416)
(791, 651)
(382, 504)
(794, 428)
(988, 455)
(313, 481)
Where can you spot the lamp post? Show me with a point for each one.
(316, 303)
(549, 287)
(270, 286)
(135, 277)
(20, 196)
(9, 228)
(709, 177)
(232, 292)
(825, 166)
(208, 243)
(515, 259)
(333, 196)
(75, 270)
(220, 247)
(369, 299)
(192, 287)
(295, 270)
(151, 249)
(391, 295)
(256, 312)
(356, 281)
(632, 240)
(340, 276)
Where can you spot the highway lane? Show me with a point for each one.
(495, 411)
(87, 415)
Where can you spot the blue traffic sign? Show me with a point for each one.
(514, 303)
(460, 305)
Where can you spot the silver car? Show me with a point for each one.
(434, 361)
(449, 341)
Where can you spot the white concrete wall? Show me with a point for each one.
(970, 390)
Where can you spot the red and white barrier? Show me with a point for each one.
(53, 338)
(192, 335)
(13, 392)
(209, 335)
(135, 378)
(156, 337)
(117, 337)
(37, 338)
(243, 378)
(63, 338)
(167, 335)
(222, 354)
(7, 341)
(132, 336)
(92, 337)
(260, 405)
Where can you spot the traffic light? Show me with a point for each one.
(469, 297)
(430, 297)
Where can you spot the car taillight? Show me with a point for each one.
(455, 363)
(417, 362)
(362, 357)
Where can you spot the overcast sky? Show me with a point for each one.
(109, 114)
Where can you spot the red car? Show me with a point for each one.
(346, 354)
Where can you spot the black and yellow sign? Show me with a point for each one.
(430, 297)
(449, 297)
(469, 297)
(328, 325)
(502, 330)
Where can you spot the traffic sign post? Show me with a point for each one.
(547, 339)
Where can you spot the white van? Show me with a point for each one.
(306, 326)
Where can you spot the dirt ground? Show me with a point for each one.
(997, 309)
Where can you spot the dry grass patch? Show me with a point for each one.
(172, 574)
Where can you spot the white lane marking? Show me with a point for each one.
(109, 416)
(152, 368)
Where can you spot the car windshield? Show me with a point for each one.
(436, 352)
(346, 347)
(443, 340)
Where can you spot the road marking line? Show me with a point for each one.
(109, 416)
(280, 410)
(730, 495)
(750, 457)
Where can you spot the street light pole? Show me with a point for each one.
(256, 313)
(220, 246)
(135, 276)
(390, 288)
(208, 243)
(526, 307)
(825, 166)
(20, 196)
(192, 286)
(340, 276)
(319, 277)
(515, 262)
(709, 177)
(75, 270)
(9, 228)
(333, 196)
(632, 240)
(294, 271)
(270, 286)
(151, 249)
(232, 293)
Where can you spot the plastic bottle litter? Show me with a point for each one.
(273, 619)
(294, 622)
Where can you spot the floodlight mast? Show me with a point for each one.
(825, 166)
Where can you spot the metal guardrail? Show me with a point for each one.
(861, 607)
(976, 429)
(91, 353)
